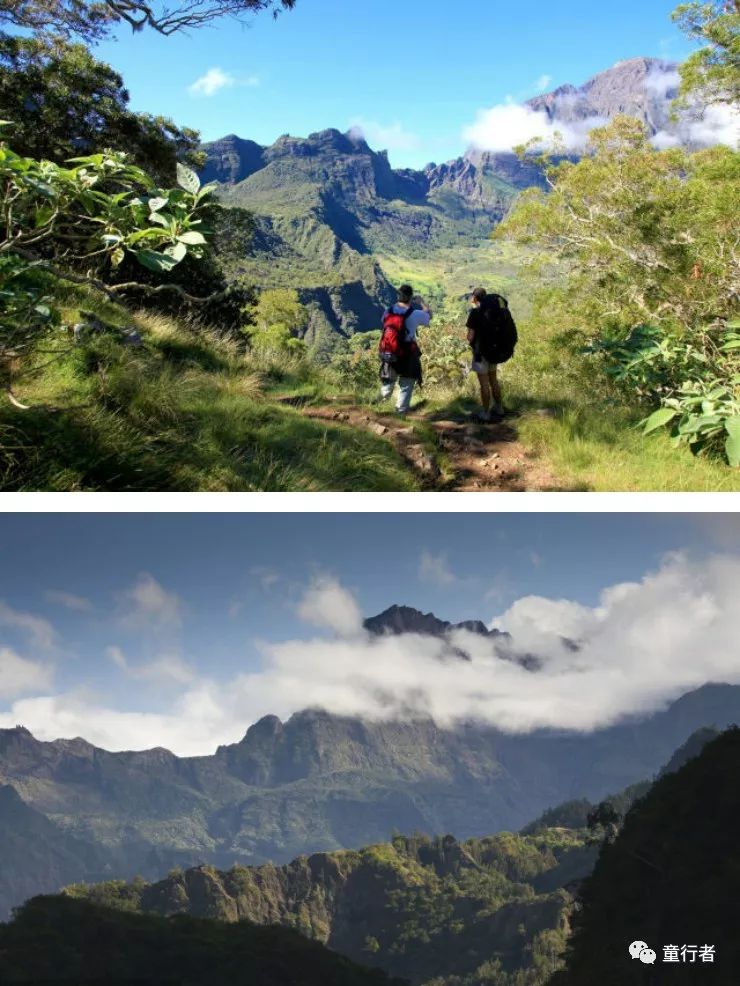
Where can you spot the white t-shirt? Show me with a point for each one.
(416, 320)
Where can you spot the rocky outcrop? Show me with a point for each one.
(232, 159)
(640, 87)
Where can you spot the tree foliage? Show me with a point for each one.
(64, 103)
(94, 20)
(713, 73)
(279, 321)
(76, 223)
(667, 878)
(652, 251)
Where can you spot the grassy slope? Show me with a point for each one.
(590, 440)
(182, 412)
(186, 411)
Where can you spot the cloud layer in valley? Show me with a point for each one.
(643, 644)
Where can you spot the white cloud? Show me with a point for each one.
(39, 631)
(389, 138)
(643, 644)
(213, 81)
(148, 605)
(507, 125)
(167, 668)
(328, 605)
(435, 570)
(663, 81)
(76, 603)
(186, 731)
(703, 128)
(19, 676)
(543, 83)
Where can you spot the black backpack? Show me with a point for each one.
(497, 336)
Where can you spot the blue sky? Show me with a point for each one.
(413, 74)
(179, 630)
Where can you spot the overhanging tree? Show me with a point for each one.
(76, 224)
(93, 20)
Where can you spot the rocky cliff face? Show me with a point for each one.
(640, 87)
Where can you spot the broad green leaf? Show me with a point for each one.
(187, 179)
(732, 445)
(157, 203)
(160, 218)
(116, 258)
(192, 237)
(178, 251)
(44, 214)
(659, 419)
(145, 234)
(155, 261)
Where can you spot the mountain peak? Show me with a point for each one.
(642, 87)
(405, 619)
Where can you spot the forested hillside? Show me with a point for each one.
(670, 879)
(493, 911)
(61, 940)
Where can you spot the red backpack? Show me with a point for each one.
(394, 340)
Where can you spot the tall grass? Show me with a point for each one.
(183, 411)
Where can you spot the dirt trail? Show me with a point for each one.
(459, 456)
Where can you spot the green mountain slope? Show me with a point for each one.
(328, 207)
(331, 212)
(672, 877)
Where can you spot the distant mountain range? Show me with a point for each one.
(318, 782)
(434, 911)
(329, 208)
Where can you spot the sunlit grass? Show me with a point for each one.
(183, 411)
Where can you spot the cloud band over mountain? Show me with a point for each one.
(643, 644)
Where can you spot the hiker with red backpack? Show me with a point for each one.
(493, 337)
(400, 356)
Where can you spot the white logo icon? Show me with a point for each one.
(647, 956)
(636, 947)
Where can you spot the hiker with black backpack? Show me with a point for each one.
(492, 335)
(400, 356)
